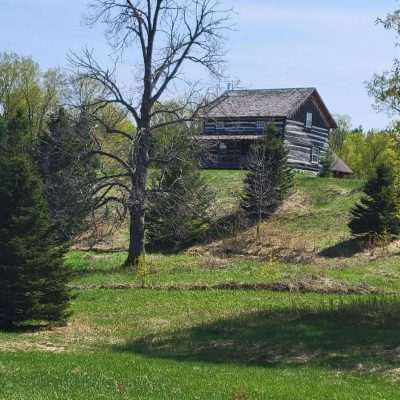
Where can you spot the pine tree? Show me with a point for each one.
(378, 212)
(67, 173)
(32, 274)
(179, 198)
(326, 164)
(269, 177)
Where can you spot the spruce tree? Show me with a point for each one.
(269, 178)
(179, 198)
(378, 212)
(326, 164)
(32, 274)
(67, 173)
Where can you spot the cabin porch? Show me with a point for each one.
(226, 152)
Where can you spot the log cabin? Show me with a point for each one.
(239, 118)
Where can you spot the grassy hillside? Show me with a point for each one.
(305, 338)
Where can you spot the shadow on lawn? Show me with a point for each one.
(360, 335)
(97, 271)
(347, 248)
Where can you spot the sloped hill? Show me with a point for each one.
(312, 220)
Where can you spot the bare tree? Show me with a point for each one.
(159, 37)
(260, 189)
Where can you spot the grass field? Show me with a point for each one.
(226, 344)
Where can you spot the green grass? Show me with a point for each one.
(93, 269)
(126, 376)
(220, 344)
(226, 183)
(141, 344)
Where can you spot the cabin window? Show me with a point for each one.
(260, 124)
(315, 154)
(222, 147)
(220, 125)
(309, 121)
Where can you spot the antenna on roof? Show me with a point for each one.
(230, 85)
(233, 85)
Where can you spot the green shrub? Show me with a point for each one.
(378, 212)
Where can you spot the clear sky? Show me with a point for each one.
(333, 45)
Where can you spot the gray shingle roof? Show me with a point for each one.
(339, 165)
(259, 103)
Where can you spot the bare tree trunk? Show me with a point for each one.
(138, 198)
(258, 232)
(136, 236)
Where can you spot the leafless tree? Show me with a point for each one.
(158, 37)
(259, 194)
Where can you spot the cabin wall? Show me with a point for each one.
(303, 143)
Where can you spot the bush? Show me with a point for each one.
(378, 212)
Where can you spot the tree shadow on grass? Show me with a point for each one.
(345, 249)
(360, 335)
(97, 271)
(225, 227)
(25, 328)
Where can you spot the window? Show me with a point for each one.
(220, 125)
(315, 154)
(309, 121)
(222, 147)
(260, 124)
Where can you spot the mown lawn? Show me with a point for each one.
(143, 344)
(223, 344)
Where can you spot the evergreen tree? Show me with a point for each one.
(67, 173)
(3, 131)
(269, 177)
(32, 274)
(326, 164)
(378, 212)
(179, 198)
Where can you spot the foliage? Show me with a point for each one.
(32, 275)
(338, 135)
(24, 87)
(269, 177)
(378, 212)
(179, 198)
(385, 86)
(364, 152)
(67, 171)
(326, 164)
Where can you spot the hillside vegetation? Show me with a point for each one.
(326, 328)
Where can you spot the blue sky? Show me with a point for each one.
(332, 45)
